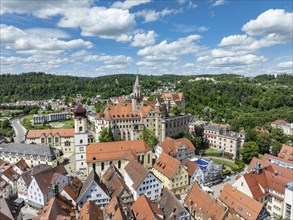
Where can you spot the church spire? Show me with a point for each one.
(136, 81)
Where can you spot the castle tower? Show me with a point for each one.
(80, 137)
(136, 95)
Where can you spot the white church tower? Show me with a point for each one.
(80, 137)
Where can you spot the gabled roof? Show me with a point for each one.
(240, 203)
(279, 122)
(167, 165)
(204, 205)
(191, 166)
(62, 132)
(286, 153)
(170, 146)
(2, 162)
(170, 205)
(115, 150)
(27, 176)
(92, 177)
(114, 182)
(90, 211)
(8, 210)
(46, 178)
(73, 187)
(144, 209)
(114, 210)
(22, 165)
(11, 174)
(136, 172)
(58, 208)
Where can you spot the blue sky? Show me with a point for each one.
(92, 38)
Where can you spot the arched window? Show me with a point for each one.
(102, 166)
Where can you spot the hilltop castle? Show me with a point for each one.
(128, 118)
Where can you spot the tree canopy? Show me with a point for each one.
(248, 151)
(106, 135)
(149, 137)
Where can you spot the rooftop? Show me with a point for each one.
(166, 165)
(62, 132)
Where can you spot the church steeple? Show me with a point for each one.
(136, 94)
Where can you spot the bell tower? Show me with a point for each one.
(80, 137)
(136, 95)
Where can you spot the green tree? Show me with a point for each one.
(248, 151)
(276, 147)
(175, 110)
(33, 111)
(149, 137)
(263, 140)
(106, 135)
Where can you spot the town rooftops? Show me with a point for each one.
(90, 211)
(25, 150)
(62, 132)
(22, 165)
(204, 205)
(191, 166)
(73, 187)
(58, 208)
(92, 177)
(27, 176)
(115, 150)
(136, 172)
(169, 204)
(240, 203)
(144, 209)
(8, 210)
(286, 153)
(166, 165)
(114, 210)
(114, 182)
(170, 146)
(279, 122)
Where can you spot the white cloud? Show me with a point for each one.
(189, 65)
(218, 2)
(183, 28)
(144, 39)
(101, 22)
(275, 22)
(41, 8)
(238, 60)
(127, 4)
(152, 15)
(48, 32)
(172, 50)
(13, 38)
(109, 60)
(286, 65)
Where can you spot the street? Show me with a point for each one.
(19, 130)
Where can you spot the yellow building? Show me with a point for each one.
(172, 174)
(99, 156)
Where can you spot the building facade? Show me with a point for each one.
(62, 139)
(221, 138)
(172, 174)
(128, 119)
(33, 154)
(40, 119)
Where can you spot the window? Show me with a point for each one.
(67, 143)
(49, 140)
(80, 128)
(42, 140)
(102, 166)
(80, 141)
(119, 164)
(56, 139)
(81, 149)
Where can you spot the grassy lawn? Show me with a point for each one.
(233, 166)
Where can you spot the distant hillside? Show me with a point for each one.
(243, 102)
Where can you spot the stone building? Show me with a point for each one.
(128, 118)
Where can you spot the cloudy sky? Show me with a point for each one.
(92, 38)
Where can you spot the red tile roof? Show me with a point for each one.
(115, 210)
(191, 166)
(115, 150)
(73, 188)
(240, 203)
(167, 165)
(170, 146)
(144, 209)
(279, 122)
(90, 211)
(204, 205)
(286, 153)
(68, 132)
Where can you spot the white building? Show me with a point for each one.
(40, 188)
(195, 172)
(81, 137)
(285, 126)
(40, 119)
(221, 138)
(141, 181)
(93, 189)
(288, 202)
(5, 189)
(179, 149)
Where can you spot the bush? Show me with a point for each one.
(226, 172)
(218, 154)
